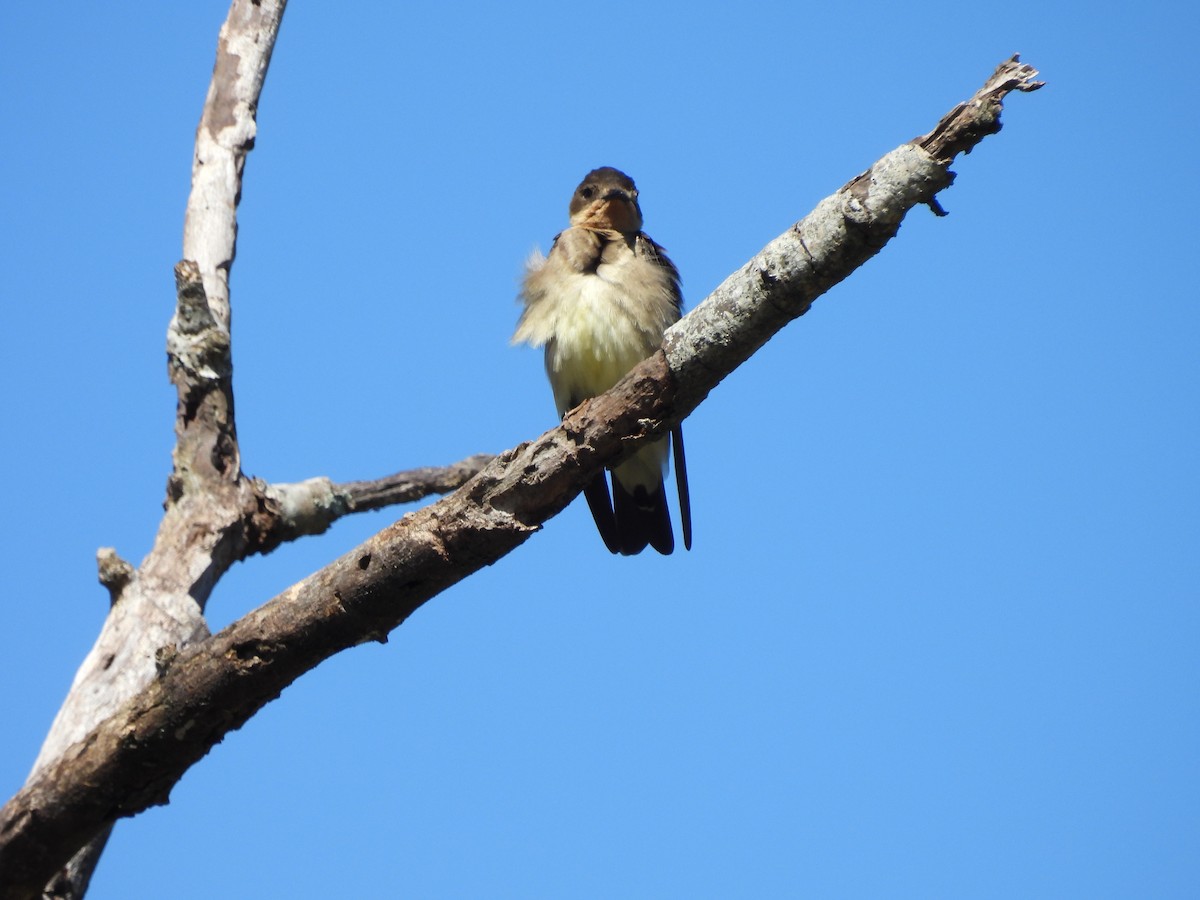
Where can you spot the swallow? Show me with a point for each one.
(599, 303)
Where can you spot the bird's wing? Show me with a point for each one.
(681, 484)
(578, 248)
(647, 249)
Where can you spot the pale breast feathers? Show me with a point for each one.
(599, 274)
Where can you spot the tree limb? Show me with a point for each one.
(226, 135)
(161, 603)
(131, 760)
(310, 507)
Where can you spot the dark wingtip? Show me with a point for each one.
(681, 484)
(596, 494)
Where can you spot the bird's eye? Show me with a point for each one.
(587, 192)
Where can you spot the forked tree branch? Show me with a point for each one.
(212, 686)
(161, 602)
(213, 514)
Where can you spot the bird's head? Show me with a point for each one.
(607, 200)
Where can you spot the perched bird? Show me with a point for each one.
(599, 303)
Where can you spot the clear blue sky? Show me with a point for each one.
(938, 634)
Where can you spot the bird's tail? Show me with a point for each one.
(642, 518)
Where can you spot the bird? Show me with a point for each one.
(599, 303)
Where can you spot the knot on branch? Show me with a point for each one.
(164, 656)
(114, 572)
(274, 513)
(201, 368)
(197, 344)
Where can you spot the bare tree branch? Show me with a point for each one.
(407, 487)
(310, 507)
(970, 122)
(226, 135)
(213, 514)
(208, 687)
(161, 603)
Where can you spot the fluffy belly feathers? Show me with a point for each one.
(596, 341)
